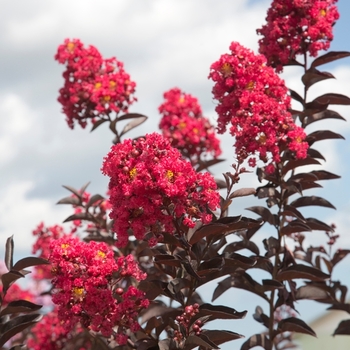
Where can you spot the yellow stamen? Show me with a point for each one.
(182, 125)
(70, 47)
(78, 292)
(250, 86)
(101, 254)
(181, 99)
(132, 173)
(170, 175)
(64, 246)
(226, 69)
(195, 130)
(262, 139)
(106, 98)
(323, 12)
(112, 84)
(98, 85)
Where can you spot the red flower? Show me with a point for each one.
(152, 186)
(296, 27)
(185, 127)
(94, 87)
(86, 290)
(254, 101)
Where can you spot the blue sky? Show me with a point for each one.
(163, 44)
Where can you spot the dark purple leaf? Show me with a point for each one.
(331, 99)
(272, 285)
(19, 306)
(166, 260)
(293, 164)
(257, 340)
(83, 188)
(340, 306)
(96, 198)
(265, 214)
(29, 261)
(311, 200)
(193, 341)
(138, 119)
(301, 271)
(8, 278)
(322, 135)
(98, 123)
(215, 229)
(327, 114)
(73, 190)
(339, 255)
(311, 292)
(9, 253)
(70, 200)
(313, 76)
(293, 324)
(295, 96)
(324, 175)
(79, 216)
(243, 192)
(260, 317)
(220, 312)
(343, 328)
(329, 57)
(291, 211)
(221, 336)
(294, 227)
(245, 244)
(315, 224)
(16, 325)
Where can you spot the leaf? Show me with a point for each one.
(257, 340)
(207, 230)
(98, 123)
(272, 285)
(343, 328)
(138, 119)
(29, 261)
(293, 227)
(16, 325)
(313, 153)
(313, 76)
(327, 114)
(95, 198)
(193, 341)
(301, 271)
(311, 292)
(315, 224)
(291, 211)
(331, 99)
(79, 216)
(324, 175)
(339, 255)
(293, 324)
(19, 306)
(311, 200)
(221, 336)
(295, 163)
(220, 312)
(329, 57)
(8, 278)
(69, 200)
(73, 190)
(322, 135)
(166, 260)
(242, 192)
(244, 244)
(294, 95)
(206, 164)
(239, 280)
(260, 317)
(9, 252)
(264, 213)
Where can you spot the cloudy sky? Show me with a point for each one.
(163, 44)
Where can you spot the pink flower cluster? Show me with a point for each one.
(296, 27)
(41, 247)
(253, 100)
(94, 87)
(185, 127)
(51, 334)
(86, 287)
(152, 189)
